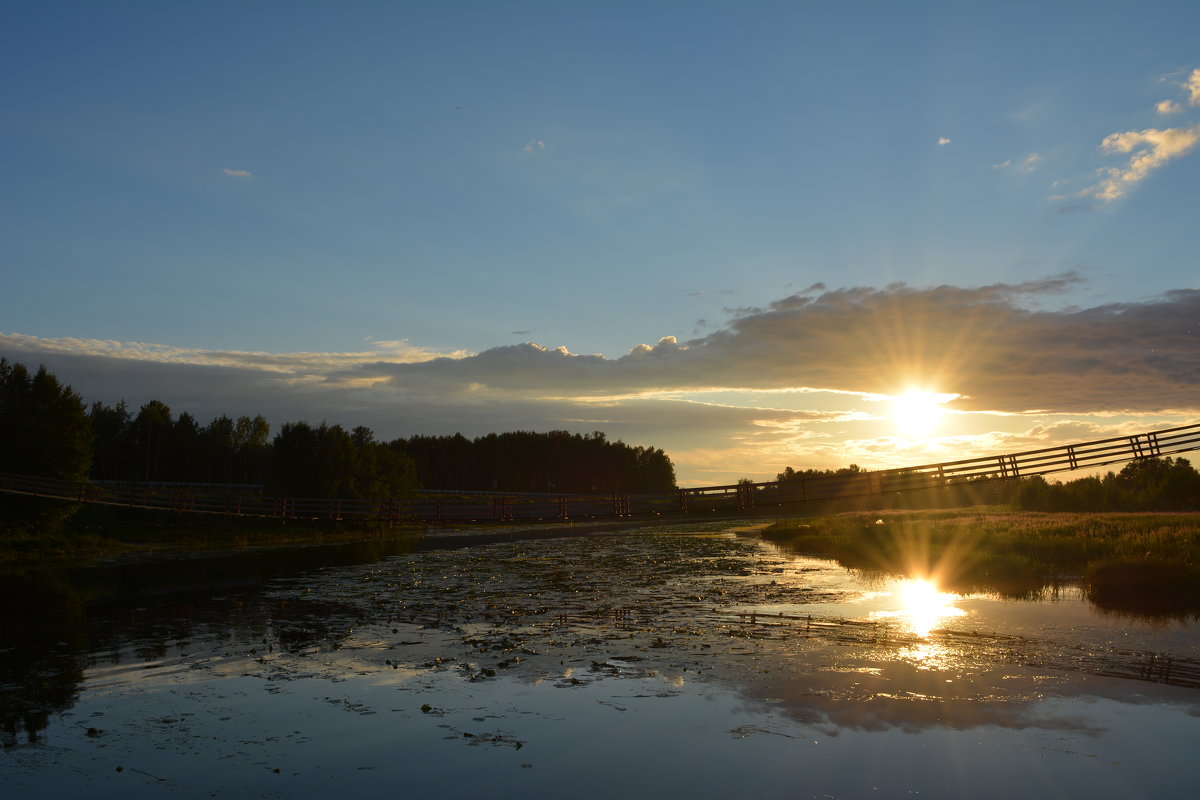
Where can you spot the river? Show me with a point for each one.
(698, 661)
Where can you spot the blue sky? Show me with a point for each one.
(297, 209)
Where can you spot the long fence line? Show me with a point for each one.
(452, 506)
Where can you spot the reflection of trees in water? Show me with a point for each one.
(41, 646)
(1153, 612)
(299, 624)
(57, 623)
(149, 632)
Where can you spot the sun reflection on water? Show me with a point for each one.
(921, 606)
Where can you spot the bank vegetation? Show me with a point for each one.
(1131, 560)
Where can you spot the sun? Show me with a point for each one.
(916, 414)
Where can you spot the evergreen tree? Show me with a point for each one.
(44, 431)
(43, 424)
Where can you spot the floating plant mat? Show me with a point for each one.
(515, 668)
(700, 602)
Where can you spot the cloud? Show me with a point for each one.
(702, 292)
(1027, 164)
(985, 343)
(1148, 149)
(796, 382)
(534, 146)
(1168, 107)
(291, 364)
(238, 173)
(1192, 84)
(942, 142)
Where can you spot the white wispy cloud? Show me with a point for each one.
(1027, 164)
(1192, 85)
(392, 351)
(238, 173)
(534, 146)
(1148, 149)
(1165, 107)
(942, 142)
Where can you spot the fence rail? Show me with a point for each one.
(449, 506)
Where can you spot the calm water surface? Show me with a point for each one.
(697, 662)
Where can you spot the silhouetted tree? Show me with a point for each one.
(326, 461)
(251, 444)
(112, 441)
(44, 426)
(1147, 484)
(557, 461)
(44, 431)
(151, 436)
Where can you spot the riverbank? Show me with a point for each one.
(1124, 559)
(143, 536)
(112, 536)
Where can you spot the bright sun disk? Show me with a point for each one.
(916, 414)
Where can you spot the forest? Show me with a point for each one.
(48, 430)
(1147, 484)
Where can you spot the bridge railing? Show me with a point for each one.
(1045, 461)
(449, 506)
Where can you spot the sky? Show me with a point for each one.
(740, 232)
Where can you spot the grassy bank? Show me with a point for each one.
(1123, 560)
(96, 533)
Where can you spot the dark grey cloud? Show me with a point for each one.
(983, 342)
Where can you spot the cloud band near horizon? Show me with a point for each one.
(995, 346)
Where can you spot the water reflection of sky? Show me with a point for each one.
(639, 736)
(508, 671)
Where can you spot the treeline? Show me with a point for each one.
(47, 430)
(788, 475)
(156, 446)
(557, 461)
(958, 495)
(1147, 484)
(302, 460)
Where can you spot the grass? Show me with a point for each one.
(1122, 560)
(96, 533)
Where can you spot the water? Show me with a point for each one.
(694, 662)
